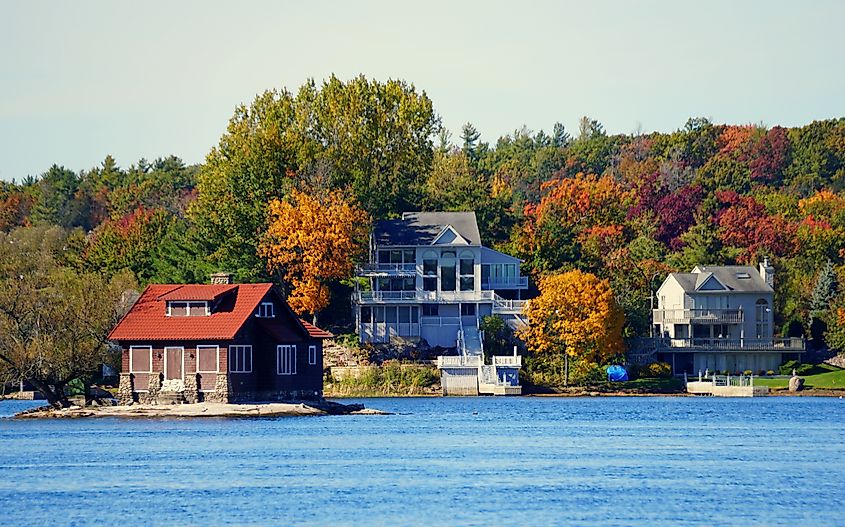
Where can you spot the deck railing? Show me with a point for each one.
(507, 360)
(716, 344)
(503, 305)
(423, 296)
(505, 282)
(460, 361)
(385, 268)
(685, 316)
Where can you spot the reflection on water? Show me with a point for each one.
(452, 461)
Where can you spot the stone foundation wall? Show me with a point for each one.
(151, 397)
(126, 389)
(192, 394)
(221, 393)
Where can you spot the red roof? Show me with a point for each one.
(148, 320)
(316, 332)
(196, 292)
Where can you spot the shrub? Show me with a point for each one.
(770, 372)
(748, 372)
(800, 369)
(655, 370)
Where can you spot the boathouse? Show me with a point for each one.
(219, 342)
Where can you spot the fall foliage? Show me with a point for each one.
(312, 240)
(575, 314)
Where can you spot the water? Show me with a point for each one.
(452, 461)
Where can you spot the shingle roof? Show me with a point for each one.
(422, 228)
(728, 275)
(197, 292)
(316, 332)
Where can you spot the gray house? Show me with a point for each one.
(429, 279)
(720, 318)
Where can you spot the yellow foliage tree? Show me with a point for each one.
(576, 316)
(312, 240)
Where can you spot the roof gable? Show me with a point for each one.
(423, 228)
(708, 282)
(448, 236)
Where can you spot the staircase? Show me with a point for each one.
(471, 344)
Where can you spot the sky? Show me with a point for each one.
(84, 79)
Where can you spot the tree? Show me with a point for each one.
(470, 136)
(54, 320)
(576, 316)
(824, 291)
(312, 240)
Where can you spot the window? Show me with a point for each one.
(366, 314)
(467, 270)
(448, 269)
(431, 310)
(390, 314)
(140, 359)
(285, 360)
(467, 310)
(408, 256)
(207, 359)
(187, 309)
(265, 310)
(383, 257)
(312, 355)
(240, 359)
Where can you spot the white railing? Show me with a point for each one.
(461, 361)
(716, 344)
(502, 305)
(507, 360)
(423, 296)
(519, 282)
(440, 321)
(682, 316)
(385, 268)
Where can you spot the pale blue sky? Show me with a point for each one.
(82, 79)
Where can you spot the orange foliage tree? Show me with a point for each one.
(575, 315)
(312, 240)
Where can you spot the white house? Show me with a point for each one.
(720, 318)
(429, 278)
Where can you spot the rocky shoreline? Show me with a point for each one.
(199, 410)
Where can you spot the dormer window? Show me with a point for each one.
(265, 310)
(187, 309)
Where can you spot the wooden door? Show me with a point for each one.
(173, 362)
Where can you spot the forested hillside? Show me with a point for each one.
(628, 208)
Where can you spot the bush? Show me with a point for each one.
(800, 369)
(656, 370)
(748, 372)
(770, 372)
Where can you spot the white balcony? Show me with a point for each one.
(697, 316)
(784, 345)
(418, 297)
(505, 282)
(507, 360)
(385, 269)
(460, 361)
(508, 307)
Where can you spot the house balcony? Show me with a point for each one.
(697, 316)
(421, 297)
(782, 345)
(511, 282)
(386, 269)
(508, 307)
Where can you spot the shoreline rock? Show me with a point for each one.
(219, 410)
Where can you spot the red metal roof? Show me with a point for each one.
(196, 292)
(316, 332)
(148, 320)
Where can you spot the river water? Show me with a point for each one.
(440, 461)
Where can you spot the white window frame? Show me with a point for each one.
(263, 310)
(312, 354)
(241, 349)
(150, 351)
(164, 353)
(288, 360)
(187, 307)
(216, 361)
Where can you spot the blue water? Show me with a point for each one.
(440, 461)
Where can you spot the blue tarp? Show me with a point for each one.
(616, 373)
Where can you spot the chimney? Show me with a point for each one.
(767, 272)
(221, 278)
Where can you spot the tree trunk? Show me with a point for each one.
(86, 389)
(55, 394)
(314, 319)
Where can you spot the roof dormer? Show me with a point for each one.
(449, 236)
(184, 308)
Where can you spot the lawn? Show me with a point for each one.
(822, 376)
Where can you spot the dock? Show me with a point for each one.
(725, 386)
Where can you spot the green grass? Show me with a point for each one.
(822, 376)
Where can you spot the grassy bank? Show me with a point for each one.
(390, 379)
(821, 377)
